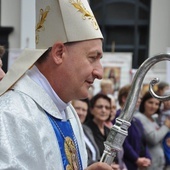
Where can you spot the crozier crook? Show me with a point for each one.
(119, 130)
(161, 98)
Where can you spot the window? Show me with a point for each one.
(125, 26)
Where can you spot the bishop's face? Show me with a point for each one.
(81, 66)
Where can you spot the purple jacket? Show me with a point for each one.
(134, 145)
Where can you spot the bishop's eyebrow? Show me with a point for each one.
(96, 53)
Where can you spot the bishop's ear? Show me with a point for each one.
(57, 52)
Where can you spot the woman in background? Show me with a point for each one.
(109, 122)
(154, 134)
(81, 107)
(136, 155)
(100, 106)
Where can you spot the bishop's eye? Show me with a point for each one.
(93, 58)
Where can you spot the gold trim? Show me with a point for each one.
(40, 24)
(71, 154)
(86, 14)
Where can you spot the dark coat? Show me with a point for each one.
(98, 136)
(135, 145)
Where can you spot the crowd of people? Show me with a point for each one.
(147, 145)
(49, 117)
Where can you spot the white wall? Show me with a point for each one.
(159, 27)
(11, 16)
(159, 34)
(20, 15)
(28, 23)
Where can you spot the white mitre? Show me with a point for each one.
(56, 20)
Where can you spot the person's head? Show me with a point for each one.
(122, 94)
(162, 86)
(149, 105)
(106, 86)
(2, 51)
(73, 62)
(100, 107)
(113, 107)
(81, 107)
(166, 104)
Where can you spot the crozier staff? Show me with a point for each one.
(39, 127)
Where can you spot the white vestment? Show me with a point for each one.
(27, 138)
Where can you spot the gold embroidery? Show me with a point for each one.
(86, 14)
(40, 24)
(71, 154)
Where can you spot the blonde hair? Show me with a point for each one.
(105, 82)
